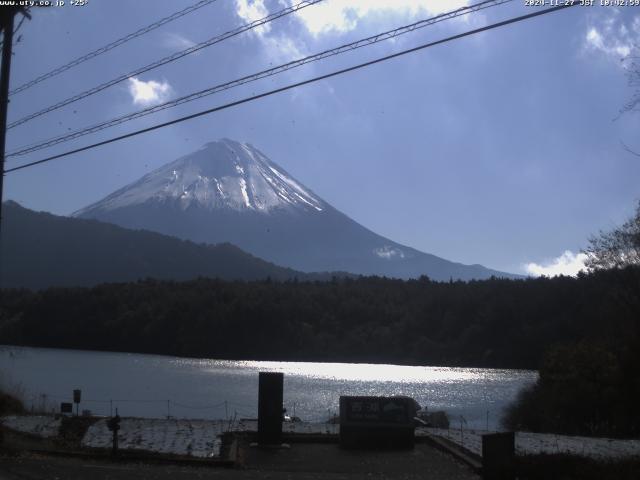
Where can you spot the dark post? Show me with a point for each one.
(77, 394)
(114, 425)
(498, 456)
(7, 14)
(270, 389)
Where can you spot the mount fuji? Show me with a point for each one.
(231, 192)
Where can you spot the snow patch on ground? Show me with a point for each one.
(44, 426)
(201, 438)
(197, 438)
(534, 443)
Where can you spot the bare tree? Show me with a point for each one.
(616, 249)
(631, 64)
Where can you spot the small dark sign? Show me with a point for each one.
(77, 394)
(66, 407)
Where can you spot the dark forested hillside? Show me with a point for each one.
(493, 323)
(39, 250)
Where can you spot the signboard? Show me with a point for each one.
(76, 396)
(376, 409)
(377, 422)
(66, 407)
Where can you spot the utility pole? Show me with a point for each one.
(7, 15)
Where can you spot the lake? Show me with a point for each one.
(157, 386)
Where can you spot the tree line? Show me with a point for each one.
(492, 323)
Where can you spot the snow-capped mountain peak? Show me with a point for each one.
(231, 192)
(221, 175)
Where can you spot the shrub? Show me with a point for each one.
(10, 404)
(583, 389)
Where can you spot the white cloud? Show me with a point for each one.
(279, 47)
(635, 26)
(612, 37)
(175, 41)
(334, 16)
(282, 49)
(147, 93)
(594, 38)
(344, 15)
(568, 263)
(252, 10)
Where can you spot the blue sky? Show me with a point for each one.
(504, 148)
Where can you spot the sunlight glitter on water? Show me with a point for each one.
(367, 372)
(157, 386)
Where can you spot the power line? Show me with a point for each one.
(198, 407)
(111, 46)
(20, 24)
(257, 76)
(166, 60)
(295, 85)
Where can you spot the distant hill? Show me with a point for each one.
(39, 250)
(231, 192)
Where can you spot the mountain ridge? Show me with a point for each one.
(41, 250)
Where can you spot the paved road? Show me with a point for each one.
(305, 462)
(423, 462)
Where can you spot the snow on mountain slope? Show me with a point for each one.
(224, 174)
